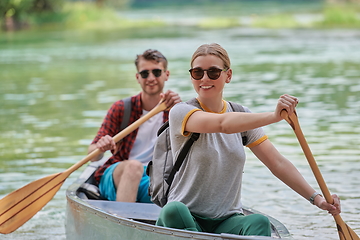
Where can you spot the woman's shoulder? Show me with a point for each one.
(181, 109)
(184, 105)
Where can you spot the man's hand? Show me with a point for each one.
(171, 98)
(106, 143)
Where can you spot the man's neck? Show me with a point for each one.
(149, 101)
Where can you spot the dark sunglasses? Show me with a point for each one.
(155, 72)
(213, 73)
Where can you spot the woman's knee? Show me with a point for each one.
(257, 224)
(176, 215)
(173, 210)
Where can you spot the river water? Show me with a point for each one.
(55, 92)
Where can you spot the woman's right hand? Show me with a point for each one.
(285, 102)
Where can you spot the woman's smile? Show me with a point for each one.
(207, 87)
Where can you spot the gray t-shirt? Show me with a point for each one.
(209, 181)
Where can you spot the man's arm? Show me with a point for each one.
(105, 143)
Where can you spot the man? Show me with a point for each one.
(122, 177)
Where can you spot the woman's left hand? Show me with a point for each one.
(334, 209)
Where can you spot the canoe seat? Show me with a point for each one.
(89, 189)
(136, 211)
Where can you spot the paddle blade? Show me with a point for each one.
(345, 232)
(20, 205)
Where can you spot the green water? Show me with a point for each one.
(55, 88)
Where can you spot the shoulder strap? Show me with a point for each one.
(127, 110)
(183, 153)
(239, 108)
(162, 128)
(180, 159)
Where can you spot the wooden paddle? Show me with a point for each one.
(20, 205)
(345, 232)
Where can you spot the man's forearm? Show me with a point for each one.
(91, 148)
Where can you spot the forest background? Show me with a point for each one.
(98, 14)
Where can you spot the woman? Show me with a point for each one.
(206, 192)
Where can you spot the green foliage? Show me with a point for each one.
(346, 15)
(84, 15)
(333, 16)
(275, 21)
(118, 4)
(219, 22)
(14, 8)
(75, 15)
(46, 5)
(20, 12)
(101, 14)
(89, 16)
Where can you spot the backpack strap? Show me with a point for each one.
(127, 111)
(239, 108)
(183, 152)
(163, 128)
(180, 159)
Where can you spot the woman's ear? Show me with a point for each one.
(229, 75)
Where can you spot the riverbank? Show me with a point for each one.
(88, 16)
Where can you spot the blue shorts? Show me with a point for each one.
(108, 189)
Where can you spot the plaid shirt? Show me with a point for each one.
(111, 126)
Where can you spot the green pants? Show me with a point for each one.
(177, 215)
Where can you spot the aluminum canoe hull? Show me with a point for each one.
(101, 220)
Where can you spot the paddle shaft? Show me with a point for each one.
(294, 123)
(345, 232)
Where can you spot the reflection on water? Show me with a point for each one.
(54, 99)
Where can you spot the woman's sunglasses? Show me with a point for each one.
(155, 72)
(213, 73)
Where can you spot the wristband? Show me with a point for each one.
(312, 198)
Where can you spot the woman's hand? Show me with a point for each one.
(285, 102)
(334, 209)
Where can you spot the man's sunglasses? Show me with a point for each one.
(213, 73)
(155, 72)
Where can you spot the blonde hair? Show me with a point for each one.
(212, 49)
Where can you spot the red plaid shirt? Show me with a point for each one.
(111, 126)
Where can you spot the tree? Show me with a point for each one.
(14, 14)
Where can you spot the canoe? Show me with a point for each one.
(87, 219)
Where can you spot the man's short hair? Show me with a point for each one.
(151, 55)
